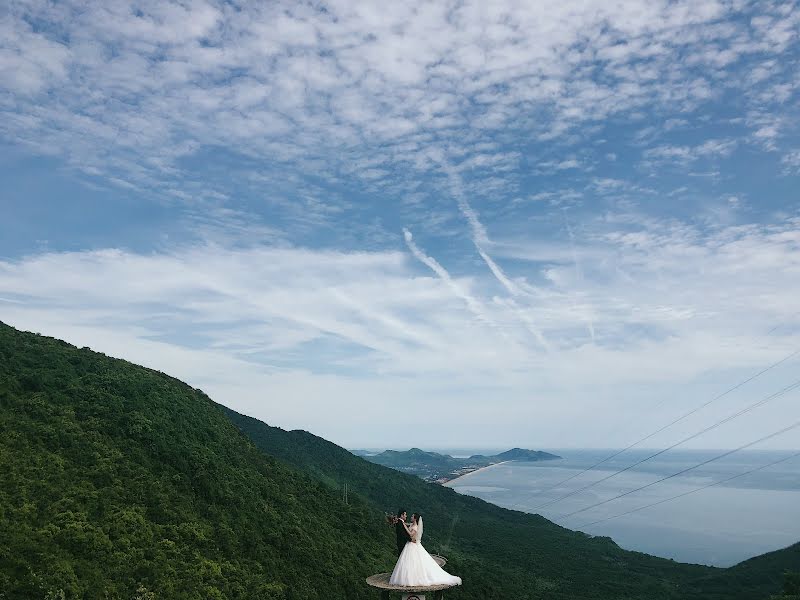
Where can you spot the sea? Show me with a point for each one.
(720, 525)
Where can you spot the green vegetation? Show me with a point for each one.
(118, 481)
(791, 587)
(121, 482)
(432, 466)
(509, 554)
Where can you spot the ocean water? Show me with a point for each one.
(720, 525)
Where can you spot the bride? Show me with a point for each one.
(416, 567)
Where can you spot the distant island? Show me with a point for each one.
(441, 468)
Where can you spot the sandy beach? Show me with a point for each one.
(460, 477)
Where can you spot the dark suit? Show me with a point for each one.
(402, 537)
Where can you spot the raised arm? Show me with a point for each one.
(409, 532)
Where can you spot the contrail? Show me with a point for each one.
(526, 319)
(578, 270)
(514, 290)
(473, 305)
(498, 272)
(479, 236)
(481, 239)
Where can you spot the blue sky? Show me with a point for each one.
(561, 224)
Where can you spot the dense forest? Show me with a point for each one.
(122, 482)
(791, 587)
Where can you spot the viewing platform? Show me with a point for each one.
(381, 582)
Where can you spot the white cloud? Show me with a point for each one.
(553, 166)
(381, 98)
(709, 149)
(791, 161)
(307, 86)
(473, 305)
(277, 331)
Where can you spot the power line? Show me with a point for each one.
(692, 491)
(688, 414)
(665, 400)
(779, 325)
(667, 426)
(587, 451)
(681, 472)
(747, 409)
(657, 405)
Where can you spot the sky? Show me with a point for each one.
(543, 224)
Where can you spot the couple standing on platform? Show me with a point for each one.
(415, 567)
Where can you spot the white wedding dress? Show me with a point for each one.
(416, 567)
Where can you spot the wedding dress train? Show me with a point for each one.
(416, 567)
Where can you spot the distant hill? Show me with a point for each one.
(524, 455)
(122, 482)
(510, 554)
(360, 452)
(440, 468)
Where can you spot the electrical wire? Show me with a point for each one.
(668, 425)
(692, 491)
(686, 470)
(747, 409)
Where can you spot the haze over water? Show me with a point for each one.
(720, 525)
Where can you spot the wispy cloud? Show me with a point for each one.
(305, 87)
(481, 241)
(473, 305)
(688, 154)
(318, 326)
(791, 161)
(247, 169)
(578, 271)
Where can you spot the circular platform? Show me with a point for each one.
(381, 581)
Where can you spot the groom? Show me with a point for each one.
(400, 531)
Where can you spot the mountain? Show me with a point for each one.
(791, 587)
(415, 461)
(512, 554)
(361, 452)
(524, 455)
(122, 482)
(767, 571)
(441, 468)
(119, 481)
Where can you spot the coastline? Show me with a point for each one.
(447, 483)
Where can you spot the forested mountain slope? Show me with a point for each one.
(116, 478)
(508, 552)
(121, 482)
